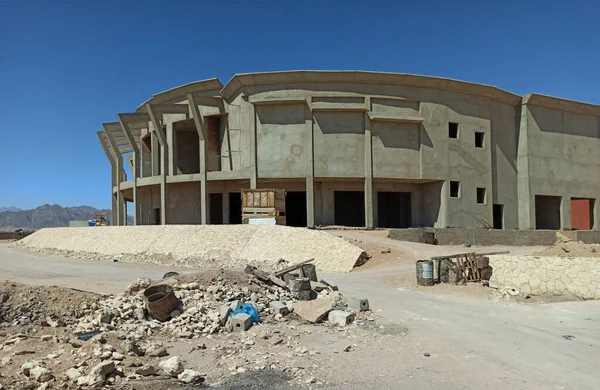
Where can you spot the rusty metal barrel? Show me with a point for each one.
(160, 301)
(425, 272)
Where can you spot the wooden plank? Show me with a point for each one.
(293, 267)
(468, 253)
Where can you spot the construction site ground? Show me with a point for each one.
(447, 337)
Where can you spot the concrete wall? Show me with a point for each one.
(482, 237)
(541, 275)
(559, 159)
(282, 141)
(356, 136)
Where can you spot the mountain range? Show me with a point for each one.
(46, 216)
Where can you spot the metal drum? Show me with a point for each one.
(160, 301)
(425, 272)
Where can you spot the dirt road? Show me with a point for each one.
(473, 342)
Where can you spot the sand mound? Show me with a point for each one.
(565, 247)
(199, 246)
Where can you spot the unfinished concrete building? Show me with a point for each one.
(358, 149)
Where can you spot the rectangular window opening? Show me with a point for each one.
(481, 195)
(479, 139)
(454, 189)
(453, 130)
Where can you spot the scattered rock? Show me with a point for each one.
(146, 370)
(138, 284)
(40, 374)
(190, 376)
(73, 374)
(156, 351)
(172, 366)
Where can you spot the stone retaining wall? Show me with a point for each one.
(539, 275)
(459, 236)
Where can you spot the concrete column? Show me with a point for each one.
(565, 213)
(155, 154)
(204, 199)
(253, 151)
(444, 215)
(136, 206)
(164, 193)
(226, 207)
(368, 171)
(171, 145)
(310, 170)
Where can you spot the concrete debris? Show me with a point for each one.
(172, 366)
(138, 285)
(313, 311)
(279, 307)
(40, 374)
(341, 317)
(358, 304)
(241, 322)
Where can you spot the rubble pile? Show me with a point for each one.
(207, 308)
(47, 306)
(114, 340)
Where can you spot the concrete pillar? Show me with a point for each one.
(164, 193)
(226, 207)
(310, 170)
(171, 145)
(136, 205)
(565, 213)
(444, 215)
(204, 206)
(253, 158)
(155, 154)
(368, 172)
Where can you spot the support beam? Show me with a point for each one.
(119, 169)
(202, 135)
(136, 163)
(368, 172)
(162, 140)
(113, 173)
(310, 169)
(253, 150)
(209, 101)
(565, 212)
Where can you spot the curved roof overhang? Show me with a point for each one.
(172, 94)
(237, 82)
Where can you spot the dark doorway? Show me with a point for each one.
(295, 208)
(394, 209)
(157, 216)
(235, 208)
(498, 211)
(547, 212)
(349, 208)
(215, 203)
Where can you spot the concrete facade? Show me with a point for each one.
(356, 148)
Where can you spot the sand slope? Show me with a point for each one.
(199, 246)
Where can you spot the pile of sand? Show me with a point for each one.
(200, 245)
(565, 247)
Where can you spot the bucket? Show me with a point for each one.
(160, 301)
(425, 272)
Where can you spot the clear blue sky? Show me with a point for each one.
(66, 67)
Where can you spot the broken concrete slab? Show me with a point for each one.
(341, 317)
(313, 311)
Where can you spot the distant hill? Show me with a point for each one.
(47, 216)
(3, 209)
